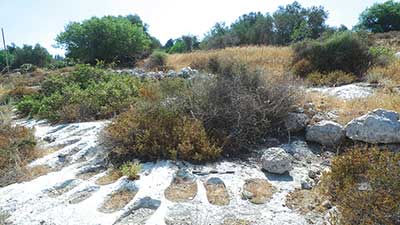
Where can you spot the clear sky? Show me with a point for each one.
(39, 21)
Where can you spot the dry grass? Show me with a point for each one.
(275, 60)
(117, 201)
(389, 40)
(305, 201)
(388, 76)
(109, 178)
(350, 109)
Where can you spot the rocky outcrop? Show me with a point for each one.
(296, 122)
(186, 72)
(276, 160)
(397, 55)
(378, 126)
(326, 133)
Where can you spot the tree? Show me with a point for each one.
(381, 17)
(254, 28)
(123, 40)
(220, 36)
(38, 56)
(186, 43)
(295, 23)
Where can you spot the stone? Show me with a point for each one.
(140, 212)
(307, 184)
(397, 55)
(276, 160)
(82, 195)
(296, 122)
(378, 126)
(326, 133)
(216, 191)
(257, 191)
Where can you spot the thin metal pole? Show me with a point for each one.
(5, 49)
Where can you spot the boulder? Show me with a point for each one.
(397, 55)
(276, 160)
(378, 126)
(296, 122)
(326, 133)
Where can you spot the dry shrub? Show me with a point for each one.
(364, 185)
(239, 106)
(350, 109)
(388, 75)
(156, 61)
(274, 60)
(389, 40)
(335, 78)
(17, 145)
(155, 132)
(20, 91)
(198, 119)
(302, 68)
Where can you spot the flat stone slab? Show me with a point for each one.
(216, 191)
(140, 212)
(183, 187)
(82, 195)
(257, 191)
(62, 188)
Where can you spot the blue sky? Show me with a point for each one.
(39, 21)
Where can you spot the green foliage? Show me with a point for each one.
(157, 61)
(186, 43)
(17, 57)
(111, 39)
(381, 56)
(345, 51)
(364, 185)
(131, 170)
(290, 23)
(87, 93)
(381, 17)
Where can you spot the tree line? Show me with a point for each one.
(124, 40)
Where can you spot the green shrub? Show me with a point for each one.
(381, 56)
(364, 184)
(86, 93)
(131, 170)
(157, 61)
(335, 78)
(345, 51)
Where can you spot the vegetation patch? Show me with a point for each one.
(87, 93)
(364, 185)
(110, 177)
(305, 201)
(257, 191)
(116, 201)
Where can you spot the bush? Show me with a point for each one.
(197, 120)
(110, 39)
(157, 61)
(17, 145)
(85, 94)
(345, 51)
(158, 131)
(19, 92)
(131, 170)
(381, 56)
(364, 184)
(335, 78)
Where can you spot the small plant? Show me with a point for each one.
(131, 170)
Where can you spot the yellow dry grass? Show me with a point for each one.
(350, 109)
(109, 178)
(272, 59)
(388, 76)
